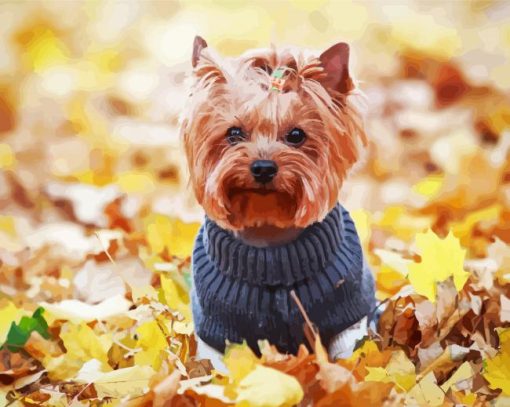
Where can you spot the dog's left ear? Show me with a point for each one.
(198, 45)
(335, 61)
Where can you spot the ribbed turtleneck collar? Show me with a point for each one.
(277, 265)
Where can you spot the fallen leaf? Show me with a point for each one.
(171, 234)
(152, 344)
(426, 392)
(82, 344)
(399, 370)
(497, 369)
(176, 295)
(78, 311)
(267, 387)
(440, 260)
(463, 374)
(129, 381)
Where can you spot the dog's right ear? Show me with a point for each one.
(198, 45)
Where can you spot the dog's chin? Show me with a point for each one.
(261, 207)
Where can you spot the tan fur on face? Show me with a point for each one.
(236, 92)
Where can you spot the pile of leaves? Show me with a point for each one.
(97, 224)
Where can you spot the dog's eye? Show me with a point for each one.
(235, 135)
(295, 137)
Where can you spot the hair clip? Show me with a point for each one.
(277, 80)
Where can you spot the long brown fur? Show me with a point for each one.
(237, 92)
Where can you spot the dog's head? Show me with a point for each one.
(270, 135)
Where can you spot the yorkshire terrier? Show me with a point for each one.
(270, 137)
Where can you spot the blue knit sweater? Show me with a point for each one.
(241, 292)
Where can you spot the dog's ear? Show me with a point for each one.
(198, 45)
(335, 61)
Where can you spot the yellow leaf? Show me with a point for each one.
(362, 220)
(61, 367)
(129, 381)
(391, 276)
(239, 360)
(83, 344)
(426, 392)
(173, 234)
(497, 369)
(368, 347)
(43, 49)
(464, 372)
(399, 370)
(401, 224)
(367, 355)
(9, 239)
(136, 181)
(499, 118)
(9, 314)
(268, 387)
(429, 186)
(463, 229)
(106, 60)
(440, 260)
(175, 295)
(7, 158)
(468, 399)
(388, 282)
(153, 344)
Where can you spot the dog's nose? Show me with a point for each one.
(263, 170)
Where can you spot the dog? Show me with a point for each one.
(270, 137)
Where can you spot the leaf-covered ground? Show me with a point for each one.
(97, 221)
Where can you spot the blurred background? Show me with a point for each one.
(91, 92)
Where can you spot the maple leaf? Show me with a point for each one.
(152, 343)
(172, 234)
(497, 369)
(82, 344)
(440, 260)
